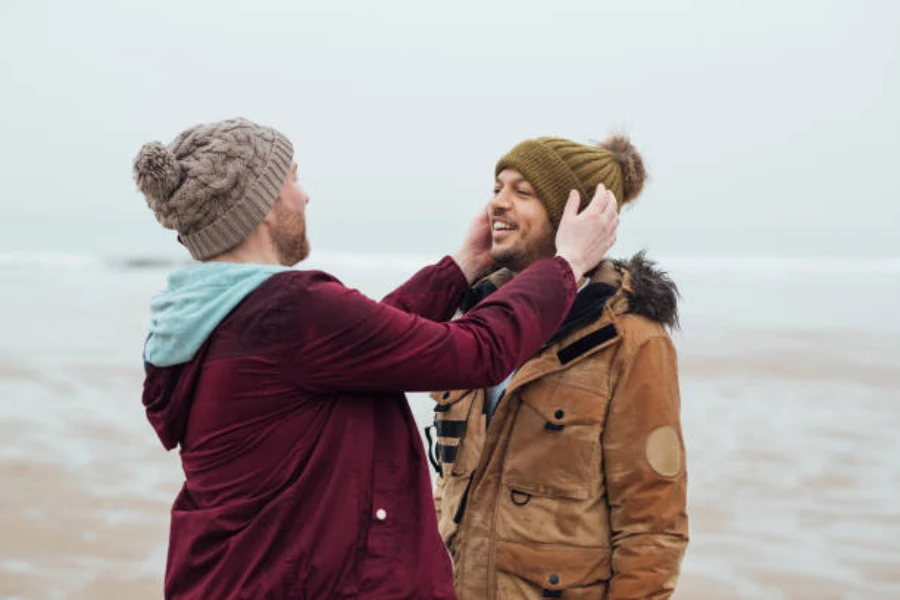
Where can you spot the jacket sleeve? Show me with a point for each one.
(434, 293)
(337, 340)
(646, 479)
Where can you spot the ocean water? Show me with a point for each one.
(789, 376)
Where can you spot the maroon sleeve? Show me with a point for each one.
(435, 292)
(337, 340)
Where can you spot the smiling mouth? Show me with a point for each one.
(502, 226)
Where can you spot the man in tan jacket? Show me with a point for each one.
(568, 479)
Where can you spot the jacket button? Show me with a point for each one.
(553, 579)
(445, 395)
(560, 413)
(381, 514)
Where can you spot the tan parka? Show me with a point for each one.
(577, 488)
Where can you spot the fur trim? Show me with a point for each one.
(653, 293)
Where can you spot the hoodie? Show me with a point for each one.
(193, 304)
(305, 476)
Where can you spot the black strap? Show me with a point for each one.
(552, 593)
(592, 340)
(432, 451)
(452, 429)
(587, 308)
(447, 453)
(462, 503)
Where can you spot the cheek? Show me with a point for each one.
(298, 201)
(533, 220)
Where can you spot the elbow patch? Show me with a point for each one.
(663, 451)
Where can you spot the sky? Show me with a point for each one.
(767, 127)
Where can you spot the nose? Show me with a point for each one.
(500, 202)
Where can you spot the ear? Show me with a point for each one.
(269, 219)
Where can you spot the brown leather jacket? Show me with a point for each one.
(577, 488)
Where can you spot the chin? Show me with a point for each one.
(503, 259)
(292, 254)
(499, 253)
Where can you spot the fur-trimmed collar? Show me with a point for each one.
(645, 289)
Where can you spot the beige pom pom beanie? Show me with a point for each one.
(215, 183)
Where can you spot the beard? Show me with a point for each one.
(513, 259)
(289, 236)
(517, 257)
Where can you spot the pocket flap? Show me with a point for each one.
(567, 405)
(554, 566)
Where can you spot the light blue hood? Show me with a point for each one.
(196, 300)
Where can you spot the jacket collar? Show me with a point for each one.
(618, 287)
(575, 346)
(640, 288)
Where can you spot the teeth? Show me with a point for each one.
(498, 226)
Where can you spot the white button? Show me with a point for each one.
(381, 514)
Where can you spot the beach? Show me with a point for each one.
(789, 380)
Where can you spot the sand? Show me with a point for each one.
(793, 458)
(789, 401)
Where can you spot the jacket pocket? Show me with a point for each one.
(551, 571)
(554, 447)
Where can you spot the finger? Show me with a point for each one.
(611, 198)
(609, 206)
(572, 203)
(486, 213)
(599, 199)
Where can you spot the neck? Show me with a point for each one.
(255, 249)
(581, 281)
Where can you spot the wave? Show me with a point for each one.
(324, 259)
(882, 265)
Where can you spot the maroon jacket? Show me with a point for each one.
(305, 474)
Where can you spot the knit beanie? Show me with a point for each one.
(555, 166)
(215, 183)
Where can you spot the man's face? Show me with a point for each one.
(520, 225)
(289, 222)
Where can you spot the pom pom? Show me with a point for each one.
(631, 163)
(157, 172)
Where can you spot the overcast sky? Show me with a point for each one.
(758, 120)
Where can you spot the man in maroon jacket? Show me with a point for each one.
(304, 473)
